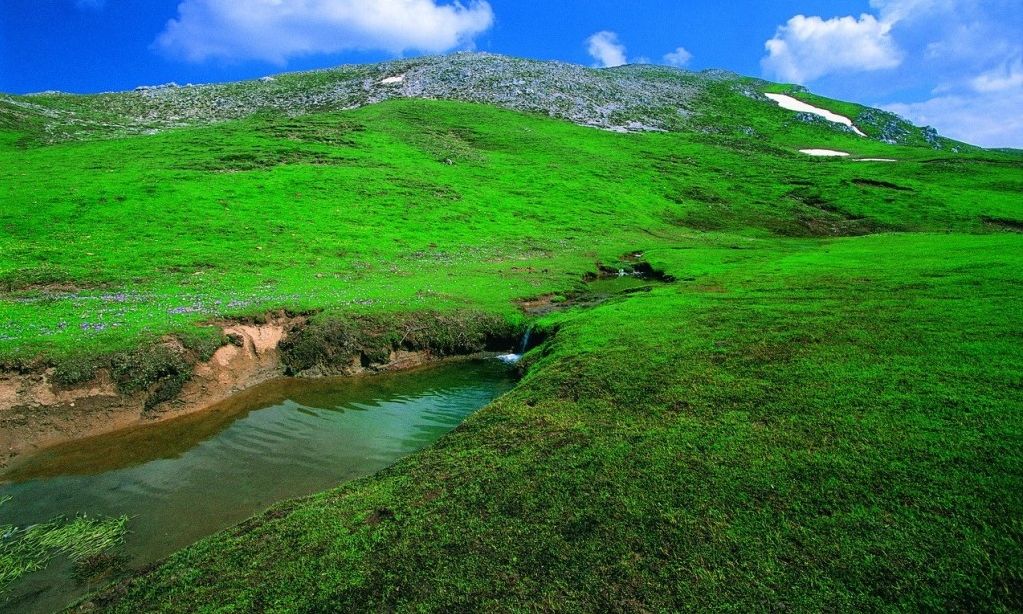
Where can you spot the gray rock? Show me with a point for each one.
(635, 98)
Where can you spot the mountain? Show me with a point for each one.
(627, 98)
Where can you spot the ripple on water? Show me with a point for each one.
(187, 478)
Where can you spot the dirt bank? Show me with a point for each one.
(36, 412)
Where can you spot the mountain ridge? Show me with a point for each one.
(630, 98)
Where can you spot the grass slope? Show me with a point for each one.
(818, 429)
(823, 412)
(107, 242)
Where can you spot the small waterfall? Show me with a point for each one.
(525, 340)
(523, 346)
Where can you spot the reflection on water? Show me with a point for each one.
(187, 478)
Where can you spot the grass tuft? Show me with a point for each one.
(27, 549)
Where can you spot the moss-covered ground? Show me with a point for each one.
(822, 412)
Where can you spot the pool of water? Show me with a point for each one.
(190, 477)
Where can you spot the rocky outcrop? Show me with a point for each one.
(626, 98)
(632, 98)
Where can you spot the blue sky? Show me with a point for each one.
(954, 64)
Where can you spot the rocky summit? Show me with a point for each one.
(632, 98)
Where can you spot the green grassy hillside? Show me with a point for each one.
(822, 411)
(415, 204)
(808, 426)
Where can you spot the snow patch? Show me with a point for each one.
(830, 153)
(392, 80)
(791, 104)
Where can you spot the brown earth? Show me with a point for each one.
(35, 413)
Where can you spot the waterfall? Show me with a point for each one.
(525, 340)
(523, 346)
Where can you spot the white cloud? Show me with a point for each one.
(894, 11)
(605, 48)
(807, 48)
(608, 51)
(988, 119)
(983, 110)
(968, 42)
(1008, 76)
(275, 30)
(679, 57)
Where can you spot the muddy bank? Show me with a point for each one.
(38, 411)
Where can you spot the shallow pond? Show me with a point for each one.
(187, 478)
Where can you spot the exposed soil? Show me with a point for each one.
(539, 305)
(631, 275)
(1004, 223)
(37, 413)
(874, 183)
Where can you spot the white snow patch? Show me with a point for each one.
(790, 103)
(875, 160)
(392, 80)
(830, 153)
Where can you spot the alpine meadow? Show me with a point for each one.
(750, 348)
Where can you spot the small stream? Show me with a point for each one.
(187, 478)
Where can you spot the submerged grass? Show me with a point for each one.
(27, 549)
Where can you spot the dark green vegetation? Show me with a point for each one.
(821, 412)
(330, 342)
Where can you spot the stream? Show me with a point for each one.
(189, 477)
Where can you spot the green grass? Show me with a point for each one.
(27, 549)
(821, 412)
(818, 429)
(107, 242)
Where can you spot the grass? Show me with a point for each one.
(814, 430)
(27, 549)
(821, 412)
(332, 342)
(112, 241)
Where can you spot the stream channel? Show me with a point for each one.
(183, 479)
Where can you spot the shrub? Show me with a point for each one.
(73, 370)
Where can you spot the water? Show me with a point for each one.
(513, 359)
(188, 478)
(525, 341)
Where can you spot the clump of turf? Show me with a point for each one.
(203, 342)
(75, 369)
(333, 342)
(161, 369)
